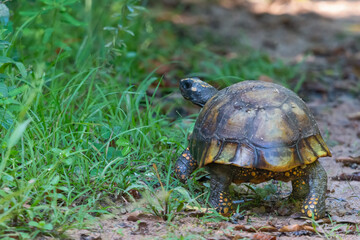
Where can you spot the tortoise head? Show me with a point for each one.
(196, 91)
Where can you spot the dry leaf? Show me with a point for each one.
(191, 208)
(353, 228)
(308, 228)
(88, 237)
(142, 228)
(262, 236)
(217, 225)
(233, 237)
(256, 228)
(267, 229)
(291, 228)
(134, 216)
(191, 211)
(295, 228)
(244, 228)
(134, 193)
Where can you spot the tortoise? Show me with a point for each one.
(254, 131)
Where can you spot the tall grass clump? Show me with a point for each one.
(78, 130)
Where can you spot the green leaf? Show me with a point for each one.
(183, 192)
(47, 34)
(24, 235)
(129, 32)
(70, 19)
(125, 151)
(44, 225)
(6, 60)
(33, 224)
(3, 90)
(122, 142)
(4, 44)
(28, 13)
(8, 178)
(21, 68)
(130, 8)
(69, 161)
(18, 90)
(19, 65)
(18, 132)
(55, 180)
(7, 119)
(180, 207)
(125, 145)
(48, 226)
(9, 101)
(3, 76)
(70, 2)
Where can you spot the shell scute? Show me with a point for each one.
(235, 124)
(273, 128)
(266, 97)
(306, 152)
(278, 158)
(316, 144)
(245, 156)
(300, 116)
(228, 151)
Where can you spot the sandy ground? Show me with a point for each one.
(325, 33)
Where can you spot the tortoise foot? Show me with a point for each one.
(314, 206)
(224, 206)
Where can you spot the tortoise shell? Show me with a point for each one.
(254, 124)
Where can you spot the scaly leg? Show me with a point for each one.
(300, 188)
(314, 203)
(220, 197)
(185, 165)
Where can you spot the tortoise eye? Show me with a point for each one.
(187, 84)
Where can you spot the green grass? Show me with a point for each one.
(79, 132)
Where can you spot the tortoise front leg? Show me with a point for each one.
(220, 197)
(185, 165)
(314, 203)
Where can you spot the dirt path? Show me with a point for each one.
(327, 31)
(283, 28)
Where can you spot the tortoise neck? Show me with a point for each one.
(197, 91)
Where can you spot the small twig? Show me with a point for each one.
(158, 176)
(348, 160)
(348, 177)
(354, 116)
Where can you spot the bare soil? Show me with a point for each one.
(323, 31)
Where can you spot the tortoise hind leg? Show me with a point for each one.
(185, 165)
(220, 197)
(300, 188)
(312, 187)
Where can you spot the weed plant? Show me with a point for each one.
(79, 132)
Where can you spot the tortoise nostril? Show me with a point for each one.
(187, 84)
